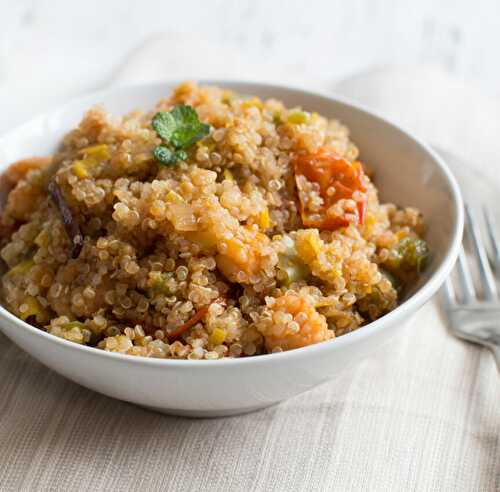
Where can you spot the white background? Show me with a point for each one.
(51, 50)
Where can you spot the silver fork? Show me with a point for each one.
(473, 314)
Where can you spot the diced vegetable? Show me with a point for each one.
(80, 170)
(253, 102)
(73, 324)
(70, 223)
(42, 239)
(208, 144)
(173, 197)
(264, 222)
(290, 266)
(414, 254)
(323, 179)
(309, 245)
(29, 307)
(410, 255)
(241, 254)
(182, 217)
(322, 258)
(92, 156)
(217, 336)
(292, 271)
(98, 152)
(297, 117)
(21, 268)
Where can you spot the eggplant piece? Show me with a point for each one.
(71, 225)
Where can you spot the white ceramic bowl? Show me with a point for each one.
(408, 172)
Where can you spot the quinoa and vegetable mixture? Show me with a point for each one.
(217, 225)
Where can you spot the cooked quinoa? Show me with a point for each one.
(217, 225)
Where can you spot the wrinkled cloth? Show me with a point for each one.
(423, 413)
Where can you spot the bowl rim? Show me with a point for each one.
(416, 300)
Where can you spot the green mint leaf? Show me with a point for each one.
(164, 155)
(180, 127)
(189, 129)
(164, 124)
(181, 155)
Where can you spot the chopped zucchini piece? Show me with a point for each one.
(21, 268)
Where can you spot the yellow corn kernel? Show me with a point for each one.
(264, 222)
(253, 102)
(98, 152)
(91, 157)
(80, 170)
(228, 175)
(297, 117)
(29, 307)
(173, 197)
(21, 268)
(370, 220)
(210, 145)
(309, 246)
(217, 336)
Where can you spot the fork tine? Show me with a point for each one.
(465, 278)
(448, 292)
(487, 280)
(491, 225)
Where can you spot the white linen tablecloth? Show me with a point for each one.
(421, 414)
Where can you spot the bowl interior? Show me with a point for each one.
(407, 172)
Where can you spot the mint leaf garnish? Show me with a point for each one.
(164, 155)
(164, 124)
(188, 128)
(181, 155)
(179, 129)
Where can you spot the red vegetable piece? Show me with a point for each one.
(334, 178)
(198, 316)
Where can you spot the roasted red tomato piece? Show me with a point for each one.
(331, 190)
